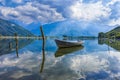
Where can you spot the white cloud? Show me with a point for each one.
(17, 1)
(115, 13)
(31, 12)
(114, 22)
(45, 11)
(89, 11)
(112, 2)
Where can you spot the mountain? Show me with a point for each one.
(35, 28)
(32, 26)
(8, 28)
(114, 33)
(67, 27)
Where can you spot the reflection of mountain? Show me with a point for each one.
(8, 29)
(112, 43)
(115, 45)
(63, 51)
(9, 45)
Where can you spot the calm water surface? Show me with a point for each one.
(92, 61)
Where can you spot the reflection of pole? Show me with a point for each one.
(16, 41)
(43, 49)
(43, 61)
(10, 46)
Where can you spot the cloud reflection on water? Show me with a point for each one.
(67, 67)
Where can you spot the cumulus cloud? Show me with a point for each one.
(45, 11)
(31, 12)
(112, 2)
(88, 11)
(114, 22)
(114, 19)
(17, 1)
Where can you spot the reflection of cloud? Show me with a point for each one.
(83, 64)
(20, 62)
(19, 74)
(27, 60)
(88, 62)
(78, 65)
(115, 55)
(62, 68)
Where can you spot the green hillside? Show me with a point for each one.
(8, 28)
(114, 33)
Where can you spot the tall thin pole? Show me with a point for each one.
(43, 50)
(43, 38)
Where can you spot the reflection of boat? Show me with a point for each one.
(65, 43)
(63, 51)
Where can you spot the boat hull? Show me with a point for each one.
(66, 44)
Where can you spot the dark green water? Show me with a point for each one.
(93, 61)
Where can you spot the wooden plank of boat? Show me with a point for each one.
(65, 44)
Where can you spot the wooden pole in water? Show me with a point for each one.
(16, 41)
(43, 49)
(43, 37)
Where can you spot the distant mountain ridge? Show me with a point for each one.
(64, 28)
(8, 28)
(47, 28)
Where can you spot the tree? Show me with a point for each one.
(101, 35)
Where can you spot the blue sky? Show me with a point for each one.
(82, 15)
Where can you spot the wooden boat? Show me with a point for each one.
(64, 51)
(66, 44)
